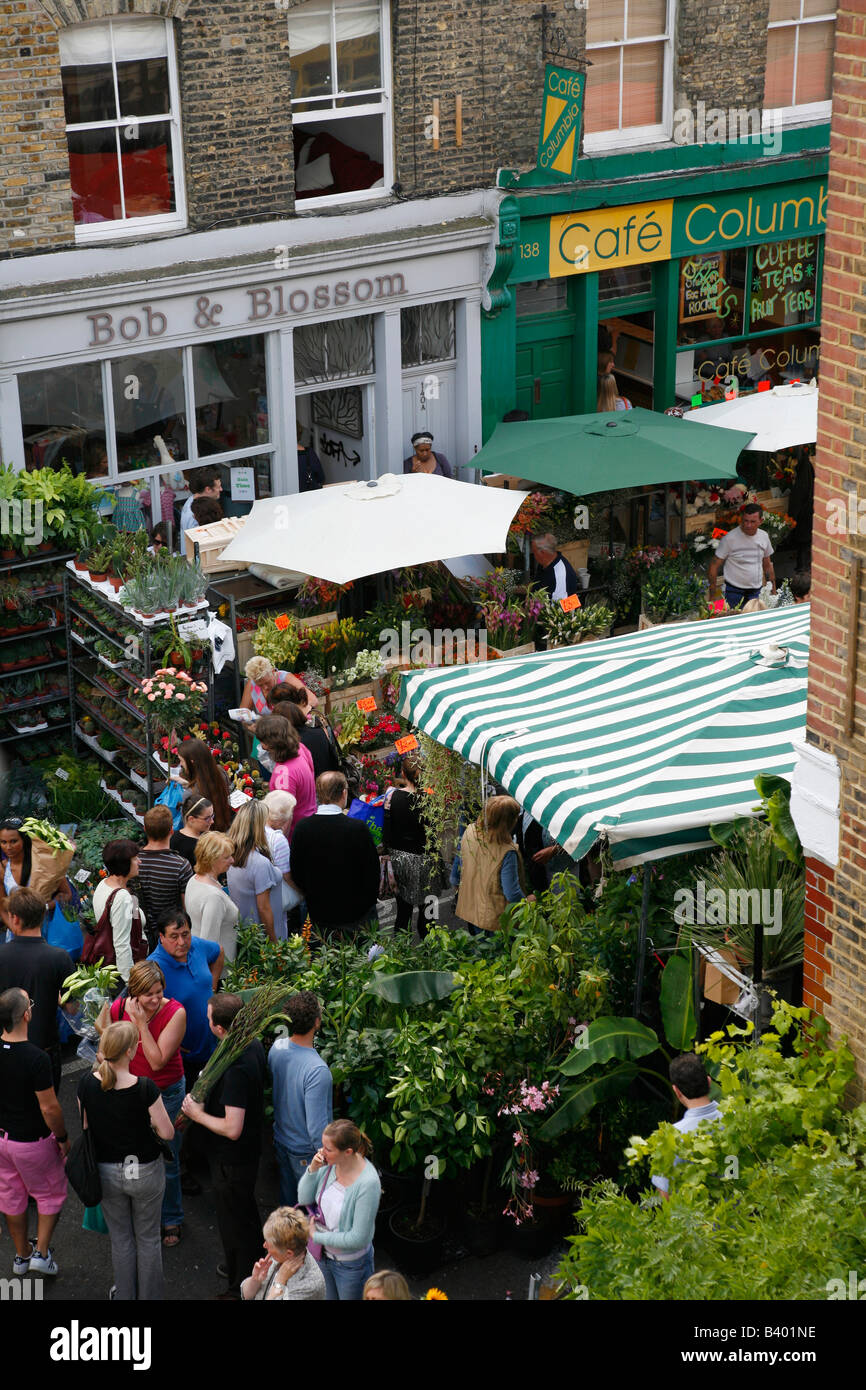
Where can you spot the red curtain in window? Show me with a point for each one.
(96, 187)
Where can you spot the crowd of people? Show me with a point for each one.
(166, 913)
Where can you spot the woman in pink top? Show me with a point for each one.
(161, 1024)
(293, 770)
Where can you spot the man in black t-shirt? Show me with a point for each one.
(33, 1138)
(554, 572)
(234, 1117)
(29, 963)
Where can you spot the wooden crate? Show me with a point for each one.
(245, 648)
(212, 541)
(700, 521)
(525, 649)
(316, 620)
(341, 699)
(576, 553)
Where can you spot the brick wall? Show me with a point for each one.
(492, 55)
(235, 100)
(720, 51)
(34, 165)
(835, 901)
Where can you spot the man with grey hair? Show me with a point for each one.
(33, 1139)
(554, 572)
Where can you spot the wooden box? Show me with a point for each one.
(576, 553)
(212, 541)
(317, 620)
(245, 648)
(717, 986)
(341, 699)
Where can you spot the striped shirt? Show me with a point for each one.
(162, 879)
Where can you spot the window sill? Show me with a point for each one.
(123, 233)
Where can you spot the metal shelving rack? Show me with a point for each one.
(56, 632)
(78, 654)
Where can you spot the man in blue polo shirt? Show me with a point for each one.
(192, 969)
(303, 1094)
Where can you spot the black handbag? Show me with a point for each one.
(82, 1170)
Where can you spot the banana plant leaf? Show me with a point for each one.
(610, 1037)
(412, 986)
(775, 794)
(677, 1004)
(579, 1101)
(728, 830)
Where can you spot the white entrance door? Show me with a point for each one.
(429, 396)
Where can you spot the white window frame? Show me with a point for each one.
(809, 111)
(617, 137)
(383, 108)
(88, 233)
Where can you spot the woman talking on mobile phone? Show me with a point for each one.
(343, 1186)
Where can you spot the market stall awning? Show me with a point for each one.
(614, 449)
(355, 529)
(646, 739)
(781, 418)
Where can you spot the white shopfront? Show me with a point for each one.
(132, 376)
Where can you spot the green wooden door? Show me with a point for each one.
(544, 372)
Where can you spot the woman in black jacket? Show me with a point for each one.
(404, 838)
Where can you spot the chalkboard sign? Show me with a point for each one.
(702, 280)
(784, 283)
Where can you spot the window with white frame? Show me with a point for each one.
(340, 56)
(628, 95)
(120, 95)
(799, 73)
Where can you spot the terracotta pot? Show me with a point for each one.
(97, 578)
(80, 566)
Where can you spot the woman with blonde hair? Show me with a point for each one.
(288, 1271)
(491, 874)
(255, 882)
(262, 676)
(387, 1286)
(161, 1024)
(608, 395)
(122, 1111)
(212, 913)
(344, 1187)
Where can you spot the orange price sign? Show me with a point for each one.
(366, 705)
(405, 745)
(281, 622)
(569, 603)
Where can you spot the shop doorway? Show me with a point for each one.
(337, 424)
(633, 348)
(545, 377)
(429, 403)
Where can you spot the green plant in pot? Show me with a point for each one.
(670, 591)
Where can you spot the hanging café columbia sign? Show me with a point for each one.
(255, 304)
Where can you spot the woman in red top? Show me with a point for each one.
(161, 1024)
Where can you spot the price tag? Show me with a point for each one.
(61, 773)
(569, 603)
(239, 798)
(366, 705)
(82, 876)
(717, 605)
(405, 745)
(281, 622)
(697, 399)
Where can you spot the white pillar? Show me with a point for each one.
(388, 449)
(467, 328)
(11, 434)
(281, 412)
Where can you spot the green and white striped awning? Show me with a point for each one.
(645, 739)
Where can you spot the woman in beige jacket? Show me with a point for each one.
(491, 873)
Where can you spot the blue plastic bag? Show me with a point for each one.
(59, 930)
(372, 812)
(172, 797)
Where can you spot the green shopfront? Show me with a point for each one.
(701, 262)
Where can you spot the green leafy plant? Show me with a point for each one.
(278, 638)
(766, 1204)
(671, 592)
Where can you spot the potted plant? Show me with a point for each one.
(98, 561)
(417, 1236)
(672, 593)
(509, 616)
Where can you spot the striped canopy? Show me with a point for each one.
(645, 739)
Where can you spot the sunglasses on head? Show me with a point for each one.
(11, 823)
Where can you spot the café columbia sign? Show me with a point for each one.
(561, 112)
(232, 309)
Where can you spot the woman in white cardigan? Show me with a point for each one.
(212, 913)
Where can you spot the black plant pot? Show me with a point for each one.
(531, 1239)
(482, 1234)
(416, 1253)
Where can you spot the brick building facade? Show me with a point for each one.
(233, 63)
(835, 972)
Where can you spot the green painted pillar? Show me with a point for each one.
(585, 291)
(667, 275)
(498, 367)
